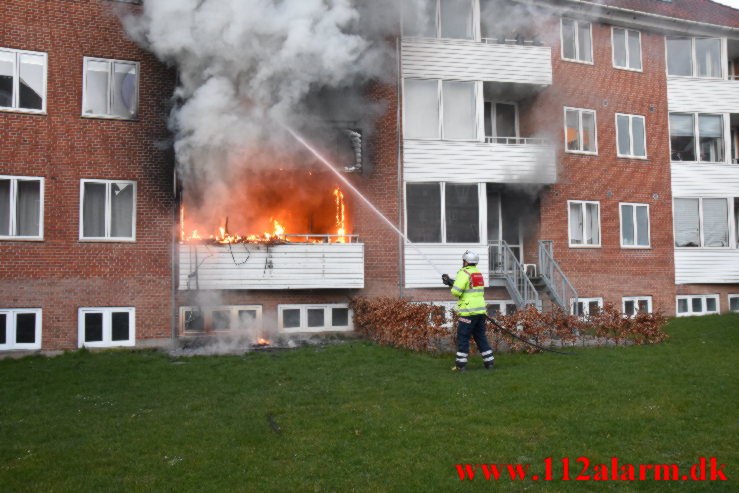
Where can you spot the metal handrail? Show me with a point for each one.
(503, 263)
(324, 238)
(516, 140)
(559, 285)
(520, 41)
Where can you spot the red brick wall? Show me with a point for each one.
(60, 273)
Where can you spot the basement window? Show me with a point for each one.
(458, 222)
(502, 307)
(586, 306)
(631, 136)
(20, 328)
(106, 327)
(110, 88)
(694, 57)
(636, 304)
(584, 223)
(227, 318)
(697, 131)
(23, 80)
(705, 304)
(108, 210)
(580, 131)
(439, 109)
(21, 208)
(701, 222)
(314, 318)
(577, 43)
(634, 225)
(734, 302)
(626, 49)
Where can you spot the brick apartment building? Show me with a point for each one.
(586, 150)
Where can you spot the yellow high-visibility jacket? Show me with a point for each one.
(469, 287)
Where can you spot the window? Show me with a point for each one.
(22, 80)
(108, 210)
(694, 57)
(701, 222)
(636, 304)
(435, 109)
(576, 41)
(631, 136)
(501, 122)
(221, 318)
(110, 88)
(314, 318)
(460, 221)
(626, 48)
(586, 306)
(734, 302)
(580, 131)
(501, 307)
(634, 225)
(440, 18)
(20, 328)
(703, 304)
(106, 327)
(584, 223)
(705, 130)
(21, 207)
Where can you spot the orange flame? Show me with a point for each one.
(340, 219)
(263, 341)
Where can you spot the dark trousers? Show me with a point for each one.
(472, 326)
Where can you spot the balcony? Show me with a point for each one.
(490, 61)
(283, 266)
(704, 95)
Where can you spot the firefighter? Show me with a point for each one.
(469, 287)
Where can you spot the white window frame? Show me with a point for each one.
(437, 22)
(16, 82)
(729, 298)
(636, 300)
(569, 223)
(585, 305)
(207, 314)
(450, 307)
(580, 112)
(704, 308)
(697, 138)
(111, 64)
(626, 49)
(631, 118)
(577, 43)
(481, 214)
(107, 237)
(693, 59)
(493, 123)
(10, 327)
(621, 224)
(327, 318)
(440, 108)
(13, 197)
(504, 304)
(701, 228)
(107, 313)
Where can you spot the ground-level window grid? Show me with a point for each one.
(314, 317)
(697, 304)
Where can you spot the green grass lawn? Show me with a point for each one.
(360, 417)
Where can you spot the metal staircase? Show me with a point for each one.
(553, 280)
(505, 266)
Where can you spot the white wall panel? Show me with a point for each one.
(705, 95)
(297, 266)
(470, 60)
(706, 266)
(705, 180)
(420, 273)
(439, 160)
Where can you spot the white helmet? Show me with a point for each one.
(470, 257)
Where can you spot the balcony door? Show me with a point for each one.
(501, 122)
(505, 221)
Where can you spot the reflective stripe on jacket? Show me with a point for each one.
(471, 298)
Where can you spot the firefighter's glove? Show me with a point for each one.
(446, 280)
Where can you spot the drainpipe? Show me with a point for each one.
(173, 259)
(398, 123)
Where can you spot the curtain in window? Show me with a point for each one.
(627, 225)
(576, 224)
(715, 222)
(588, 131)
(28, 208)
(642, 225)
(679, 56)
(421, 20)
(423, 202)
(96, 90)
(572, 123)
(459, 110)
(456, 19)
(462, 214)
(687, 232)
(568, 39)
(710, 132)
(622, 129)
(708, 57)
(7, 71)
(421, 109)
(124, 90)
(634, 50)
(93, 210)
(121, 210)
(593, 229)
(31, 82)
(682, 138)
(583, 41)
(4, 207)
